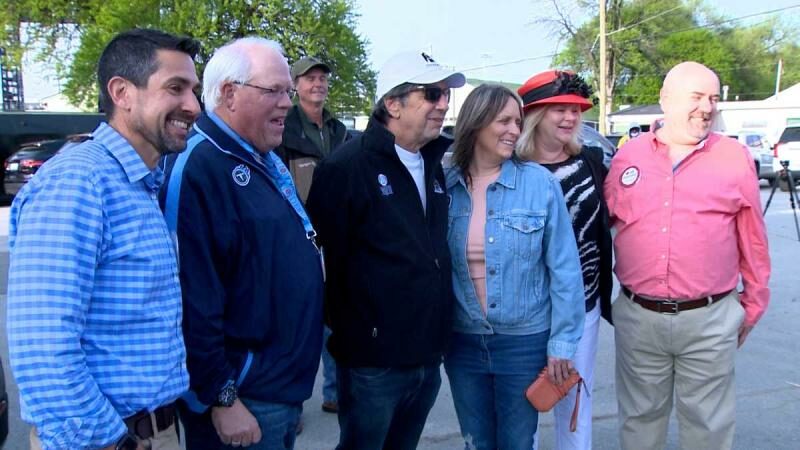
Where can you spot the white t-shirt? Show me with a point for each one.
(416, 167)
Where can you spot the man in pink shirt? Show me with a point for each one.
(686, 205)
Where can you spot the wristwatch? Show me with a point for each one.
(127, 442)
(227, 395)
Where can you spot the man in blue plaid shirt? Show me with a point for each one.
(94, 302)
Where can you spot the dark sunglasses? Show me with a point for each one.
(433, 93)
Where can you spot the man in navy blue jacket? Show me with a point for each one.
(250, 270)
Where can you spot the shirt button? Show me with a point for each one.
(493, 305)
(493, 188)
(669, 178)
(491, 240)
(664, 230)
(491, 212)
(663, 256)
(492, 271)
(666, 203)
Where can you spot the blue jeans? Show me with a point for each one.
(488, 378)
(328, 370)
(278, 422)
(385, 408)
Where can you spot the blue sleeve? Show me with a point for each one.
(567, 297)
(56, 239)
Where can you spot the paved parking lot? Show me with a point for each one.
(768, 369)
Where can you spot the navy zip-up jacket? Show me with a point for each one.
(251, 279)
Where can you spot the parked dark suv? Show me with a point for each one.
(23, 164)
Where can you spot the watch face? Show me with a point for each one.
(227, 395)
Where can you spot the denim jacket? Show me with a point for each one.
(534, 281)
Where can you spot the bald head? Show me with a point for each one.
(687, 72)
(689, 99)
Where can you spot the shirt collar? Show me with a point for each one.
(326, 116)
(706, 142)
(127, 157)
(508, 174)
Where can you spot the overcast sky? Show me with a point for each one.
(466, 34)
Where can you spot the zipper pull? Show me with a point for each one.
(374, 332)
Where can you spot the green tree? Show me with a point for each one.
(322, 28)
(647, 37)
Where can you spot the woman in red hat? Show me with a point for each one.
(553, 102)
(516, 275)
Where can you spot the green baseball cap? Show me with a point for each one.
(307, 63)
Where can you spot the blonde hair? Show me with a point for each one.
(526, 145)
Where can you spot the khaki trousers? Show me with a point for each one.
(163, 440)
(690, 354)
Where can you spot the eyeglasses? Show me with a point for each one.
(270, 92)
(433, 93)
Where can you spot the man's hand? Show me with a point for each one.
(558, 369)
(744, 330)
(235, 425)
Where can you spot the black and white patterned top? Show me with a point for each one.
(583, 205)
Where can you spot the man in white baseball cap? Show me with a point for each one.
(379, 207)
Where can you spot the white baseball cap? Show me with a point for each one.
(414, 67)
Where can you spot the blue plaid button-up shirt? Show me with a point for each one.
(94, 312)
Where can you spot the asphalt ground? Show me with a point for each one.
(767, 369)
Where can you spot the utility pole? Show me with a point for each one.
(778, 78)
(603, 70)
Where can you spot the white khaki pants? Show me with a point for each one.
(584, 359)
(690, 354)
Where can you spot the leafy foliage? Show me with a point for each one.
(321, 28)
(647, 37)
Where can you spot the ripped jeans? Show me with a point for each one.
(488, 377)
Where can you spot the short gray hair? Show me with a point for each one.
(379, 111)
(231, 64)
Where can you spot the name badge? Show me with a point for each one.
(629, 176)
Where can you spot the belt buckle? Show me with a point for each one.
(672, 307)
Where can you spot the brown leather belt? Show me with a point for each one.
(141, 424)
(670, 306)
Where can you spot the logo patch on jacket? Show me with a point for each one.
(383, 182)
(437, 188)
(241, 175)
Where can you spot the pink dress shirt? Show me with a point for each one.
(689, 232)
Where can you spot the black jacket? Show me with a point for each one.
(300, 154)
(594, 160)
(389, 292)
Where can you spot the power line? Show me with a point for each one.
(711, 25)
(628, 27)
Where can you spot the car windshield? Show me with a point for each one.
(41, 150)
(591, 138)
(790, 134)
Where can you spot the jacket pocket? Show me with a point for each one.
(522, 232)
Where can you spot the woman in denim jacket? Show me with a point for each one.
(553, 103)
(516, 275)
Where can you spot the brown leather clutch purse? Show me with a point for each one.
(543, 394)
